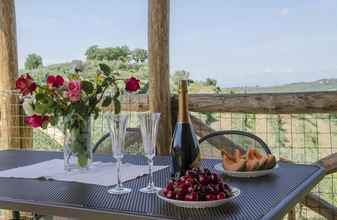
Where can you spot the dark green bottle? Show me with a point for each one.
(185, 146)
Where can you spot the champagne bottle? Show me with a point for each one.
(185, 146)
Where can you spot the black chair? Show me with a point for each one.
(236, 138)
(107, 135)
(212, 144)
(100, 141)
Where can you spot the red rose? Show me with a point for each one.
(54, 81)
(74, 90)
(132, 84)
(36, 121)
(25, 84)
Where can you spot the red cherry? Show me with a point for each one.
(165, 191)
(185, 186)
(188, 197)
(203, 180)
(170, 186)
(207, 171)
(170, 195)
(221, 187)
(214, 178)
(220, 196)
(210, 188)
(210, 197)
(194, 196)
(180, 196)
(203, 189)
(216, 188)
(189, 181)
(182, 178)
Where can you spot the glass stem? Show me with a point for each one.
(151, 183)
(119, 183)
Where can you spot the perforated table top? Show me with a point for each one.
(268, 197)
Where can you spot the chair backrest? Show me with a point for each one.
(133, 137)
(212, 144)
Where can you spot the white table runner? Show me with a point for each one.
(100, 174)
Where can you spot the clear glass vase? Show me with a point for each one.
(77, 146)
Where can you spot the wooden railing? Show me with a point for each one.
(269, 103)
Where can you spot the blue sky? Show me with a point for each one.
(239, 43)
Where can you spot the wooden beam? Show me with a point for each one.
(10, 114)
(132, 103)
(282, 103)
(159, 75)
(220, 142)
(269, 103)
(329, 163)
(320, 206)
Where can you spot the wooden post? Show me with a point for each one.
(159, 75)
(9, 109)
(292, 214)
(11, 120)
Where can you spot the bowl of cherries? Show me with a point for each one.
(198, 188)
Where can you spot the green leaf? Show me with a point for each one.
(117, 93)
(92, 100)
(107, 101)
(80, 108)
(105, 68)
(107, 81)
(44, 125)
(96, 113)
(99, 89)
(87, 86)
(117, 106)
(41, 108)
(40, 97)
(53, 120)
(73, 76)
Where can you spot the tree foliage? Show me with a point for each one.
(210, 82)
(33, 61)
(122, 53)
(109, 53)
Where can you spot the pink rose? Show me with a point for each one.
(54, 81)
(25, 84)
(74, 90)
(132, 84)
(36, 121)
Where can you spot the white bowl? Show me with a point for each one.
(201, 204)
(244, 174)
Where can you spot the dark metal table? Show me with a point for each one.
(268, 197)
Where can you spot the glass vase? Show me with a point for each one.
(77, 146)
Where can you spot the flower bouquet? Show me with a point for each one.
(72, 101)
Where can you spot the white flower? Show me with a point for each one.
(28, 106)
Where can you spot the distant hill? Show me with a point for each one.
(141, 71)
(319, 85)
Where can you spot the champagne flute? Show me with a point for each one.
(149, 122)
(117, 127)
